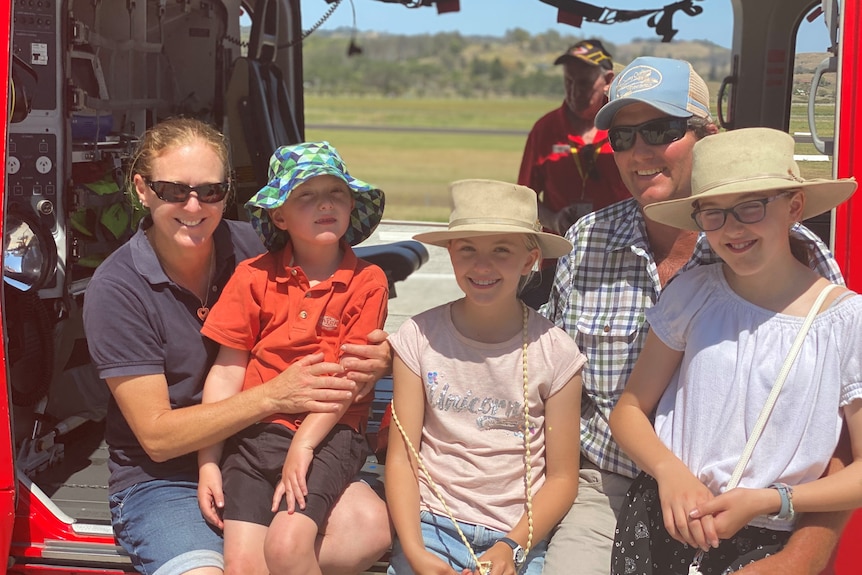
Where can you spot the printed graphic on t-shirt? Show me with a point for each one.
(491, 412)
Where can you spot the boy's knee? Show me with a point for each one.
(287, 540)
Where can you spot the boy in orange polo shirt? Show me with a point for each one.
(308, 295)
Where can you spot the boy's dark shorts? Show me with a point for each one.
(254, 457)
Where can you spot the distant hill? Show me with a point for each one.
(517, 64)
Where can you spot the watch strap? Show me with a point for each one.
(517, 551)
(510, 542)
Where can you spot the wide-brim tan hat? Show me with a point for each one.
(488, 208)
(745, 161)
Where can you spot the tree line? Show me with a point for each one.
(449, 64)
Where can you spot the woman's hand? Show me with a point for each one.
(292, 484)
(365, 364)
(310, 384)
(680, 492)
(734, 509)
(210, 495)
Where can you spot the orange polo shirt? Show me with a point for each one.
(269, 309)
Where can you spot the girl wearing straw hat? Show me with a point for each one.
(483, 450)
(750, 366)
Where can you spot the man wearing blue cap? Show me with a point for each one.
(658, 108)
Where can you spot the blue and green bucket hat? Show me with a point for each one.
(289, 167)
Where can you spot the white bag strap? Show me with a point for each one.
(694, 568)
(776, 389)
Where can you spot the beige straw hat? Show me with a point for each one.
(489, 207)
(745, 161)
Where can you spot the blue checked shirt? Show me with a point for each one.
(601, 291)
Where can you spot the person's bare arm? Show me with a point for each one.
(165, 433)
(223, 381)
(679, 490)
(813, 542)
(311, 432)
(401, 472)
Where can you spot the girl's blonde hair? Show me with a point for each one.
(532, 243)
(169, 134)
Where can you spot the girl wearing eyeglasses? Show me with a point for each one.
(718, 339)
(143, 313)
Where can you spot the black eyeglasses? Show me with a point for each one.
(750, 212)
(656, 132)
(176, 193)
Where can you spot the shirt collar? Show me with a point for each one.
(631, 222)
(342, 275)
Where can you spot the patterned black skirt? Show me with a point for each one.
(642, 545)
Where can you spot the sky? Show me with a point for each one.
(494, 17)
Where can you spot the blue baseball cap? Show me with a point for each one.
(669, 85)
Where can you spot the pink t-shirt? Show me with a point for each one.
(472, 440)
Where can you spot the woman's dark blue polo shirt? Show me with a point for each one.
(139, 322)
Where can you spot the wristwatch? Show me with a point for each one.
(517, 551)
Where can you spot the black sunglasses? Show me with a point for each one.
(176, 193)
(656, 132)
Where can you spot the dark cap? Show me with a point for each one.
(590, 51)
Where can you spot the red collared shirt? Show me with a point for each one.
(555, 165)
(269, 309)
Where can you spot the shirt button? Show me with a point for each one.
(606, 329)
(293, 272)
(303, 315)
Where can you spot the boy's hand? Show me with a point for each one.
(210, 495)
(292, 484)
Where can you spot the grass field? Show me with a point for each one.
(415, 167)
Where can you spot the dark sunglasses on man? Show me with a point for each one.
(177, 193)
(658, 132)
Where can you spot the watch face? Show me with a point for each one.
(519, 556)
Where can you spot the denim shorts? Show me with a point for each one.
(442, 539)
(160, 526)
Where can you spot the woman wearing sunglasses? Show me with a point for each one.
(622, 262)
(143, 313)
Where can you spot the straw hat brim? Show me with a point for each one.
(820, 196)
(552, 245)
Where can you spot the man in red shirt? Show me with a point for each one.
(567, 160)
